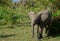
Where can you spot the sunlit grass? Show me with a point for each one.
(23, 33)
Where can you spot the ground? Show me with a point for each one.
(22, 33)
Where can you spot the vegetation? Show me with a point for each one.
(18, 18)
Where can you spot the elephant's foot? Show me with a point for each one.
(40, 36)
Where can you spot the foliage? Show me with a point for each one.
(19, 14)
(7, 16)
(5, 2)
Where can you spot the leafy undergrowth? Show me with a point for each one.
(57, 13)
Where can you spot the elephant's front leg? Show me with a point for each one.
(32, 25)
(44, 32)
(38, 36)
(41, 32)
(32, 31)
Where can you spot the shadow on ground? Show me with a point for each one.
(6, 26)
(6, 36)
(55, 28)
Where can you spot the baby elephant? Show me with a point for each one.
(42, 20)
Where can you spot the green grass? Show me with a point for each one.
(22, 33)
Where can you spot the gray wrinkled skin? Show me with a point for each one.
(43, 20)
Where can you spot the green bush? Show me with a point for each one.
(7, 16)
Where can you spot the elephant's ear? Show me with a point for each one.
(32, 15)
(44, 17)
